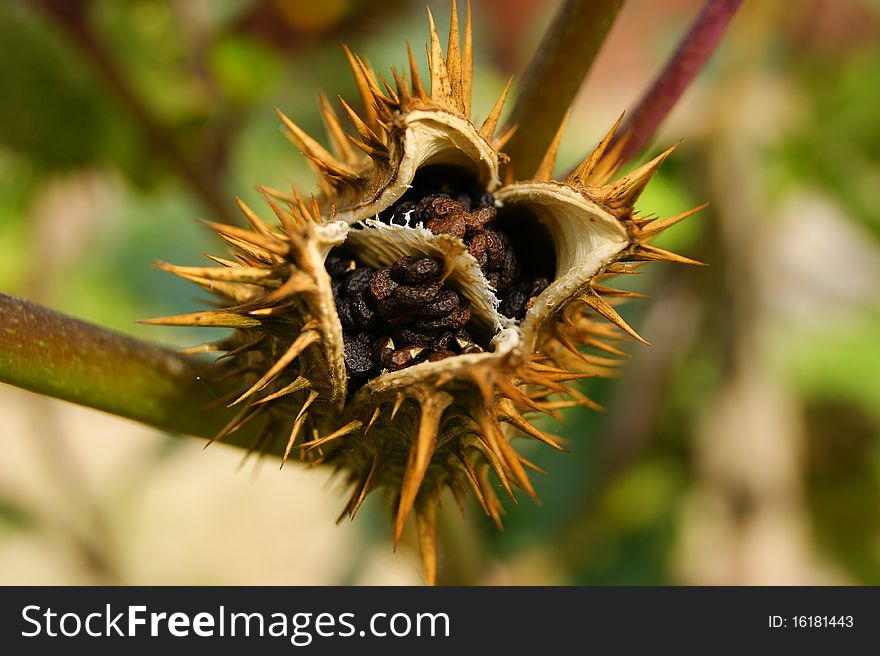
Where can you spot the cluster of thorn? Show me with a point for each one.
(454, 421)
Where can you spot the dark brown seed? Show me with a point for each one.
(338, 266)
(362, 313)
(446, 302)
(402, 358)
(479, 248)
(477, 220)
(445, 341)
(358, 281)
(338, 288)
(395, 317)
(358, 357)
(514, 300)
(437, 206)
(416, 270)
(440, 355)
(461, 315)
(343, 309)
(381, 285)
(494, 249)
(383, 348)
(399, 269)
(389, 309)
(408, 337)
(455, 319)
(508, 270)
(451, 225)
(406, 298)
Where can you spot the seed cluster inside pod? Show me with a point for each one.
(444, 201)
(396, 316)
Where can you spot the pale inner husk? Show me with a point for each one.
(586, 239)
(324, 238)
(426, 138)
(506, 343)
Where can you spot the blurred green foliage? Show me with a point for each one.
(51, 115)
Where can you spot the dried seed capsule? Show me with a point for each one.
(416, 270)
(381, 285)
(421, 144)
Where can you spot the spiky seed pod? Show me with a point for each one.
(405, 324)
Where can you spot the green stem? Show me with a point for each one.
(52, 354)
(554, 76)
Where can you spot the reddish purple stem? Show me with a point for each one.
(691, 55)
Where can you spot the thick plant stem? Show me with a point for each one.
(689, 58)
(554, 76)
(49, 353)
